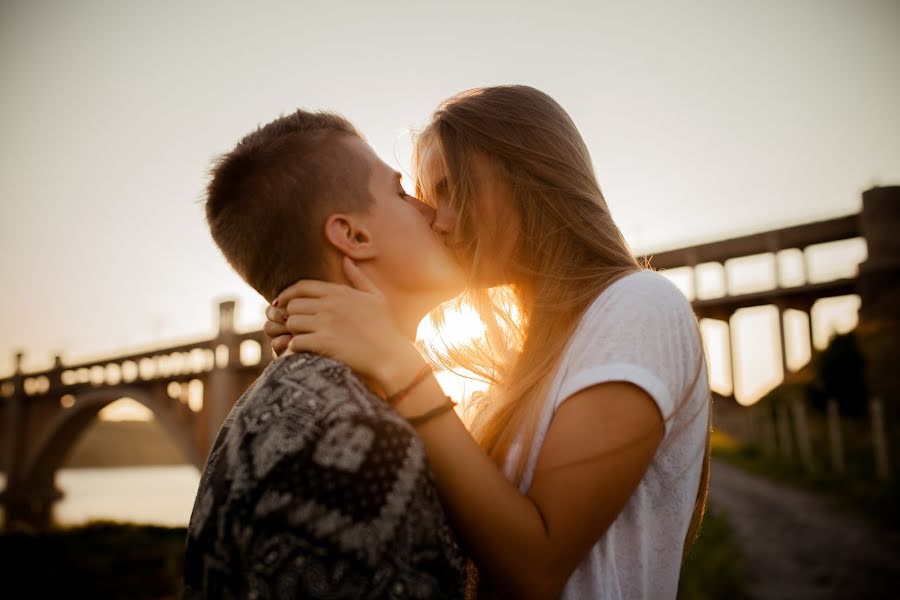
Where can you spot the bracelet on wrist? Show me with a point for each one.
(395, 398)
(434, 412)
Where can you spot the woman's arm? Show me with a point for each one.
(601, 439)
(598, 446)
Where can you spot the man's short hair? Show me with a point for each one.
(268, 198)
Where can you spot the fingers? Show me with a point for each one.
(274, 330)
(301, 324)
(307, 342)
(302, 306)
(280, 344)
(278, 315)
(308, 288)
(357, 278)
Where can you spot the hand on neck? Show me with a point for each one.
(407, 309)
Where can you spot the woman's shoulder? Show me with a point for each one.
(642, 313)
(644, 293)
(647, 281)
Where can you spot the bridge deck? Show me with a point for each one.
(800, 297)
(798, 236)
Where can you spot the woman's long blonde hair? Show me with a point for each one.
(567, 252)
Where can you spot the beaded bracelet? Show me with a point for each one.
(396, 397)
(434, 412)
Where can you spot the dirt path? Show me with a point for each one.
(797, 545)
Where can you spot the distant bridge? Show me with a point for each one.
(800, 297)
(876, 282)
(800, 237)
(43, 413)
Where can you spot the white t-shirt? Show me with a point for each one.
(642, 330)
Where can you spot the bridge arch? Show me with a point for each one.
(60, 436)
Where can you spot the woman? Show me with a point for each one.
(583, 470)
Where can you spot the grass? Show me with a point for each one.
(714, 566)
(858, 490)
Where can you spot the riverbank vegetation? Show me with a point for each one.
(98, 560)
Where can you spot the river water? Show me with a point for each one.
(160, 495)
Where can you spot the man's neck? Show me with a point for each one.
(407, 309)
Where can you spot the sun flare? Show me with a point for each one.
(462, 326)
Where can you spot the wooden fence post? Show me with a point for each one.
(785, 444)
(879, 439)
(751, 426)
(835, 440)
(801, 428)
(767, 428)
(745, 428)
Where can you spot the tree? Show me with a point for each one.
(841, 374)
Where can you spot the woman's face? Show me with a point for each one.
(493, 216)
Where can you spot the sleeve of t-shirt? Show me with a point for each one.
(641, 330)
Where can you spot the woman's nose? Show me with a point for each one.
(444, 221)
(426, 211)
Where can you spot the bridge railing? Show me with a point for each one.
(177, 362)
(798, 236)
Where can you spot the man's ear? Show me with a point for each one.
(350, 237)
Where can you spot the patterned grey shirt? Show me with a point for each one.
(315, 488)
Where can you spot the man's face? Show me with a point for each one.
(411, 257)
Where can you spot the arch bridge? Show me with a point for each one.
(189, 388)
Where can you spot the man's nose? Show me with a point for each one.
(444, 221)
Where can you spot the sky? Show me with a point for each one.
(705, 119)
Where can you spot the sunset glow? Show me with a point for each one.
(461, 327)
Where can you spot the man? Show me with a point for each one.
(315, 487)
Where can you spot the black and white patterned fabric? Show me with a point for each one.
(315, 488)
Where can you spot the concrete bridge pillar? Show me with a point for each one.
(28, 508)
(16, 431)
(13, 435)
(732, 357)
(24, 505)
(879, 275)
(782, 337)
(810, 331)
(224, 384)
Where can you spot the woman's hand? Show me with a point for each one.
(351, 324)
(275, 329)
